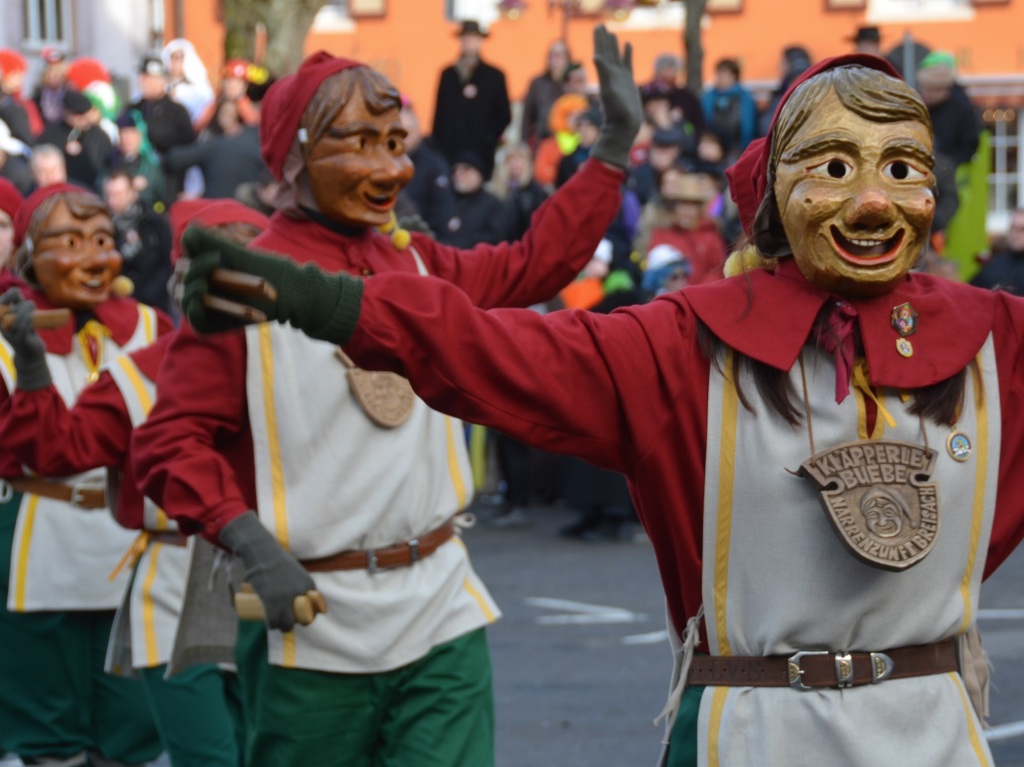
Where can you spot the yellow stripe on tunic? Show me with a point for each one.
(24, 544)
(145, 401)
(715, 725)
(149, 608)
(8, 362)
(979, 750)
(980, 477)
(473, 591)
(453, 465)
(726, 472)
(280, 509)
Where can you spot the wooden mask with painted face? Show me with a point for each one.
(355, 156)
(851, 179)
(70, 251)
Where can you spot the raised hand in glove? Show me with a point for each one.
(274, 574)
(620, 99)
(29, 350)
(324, 306)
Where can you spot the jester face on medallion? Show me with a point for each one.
(69, 249)
(851, 176)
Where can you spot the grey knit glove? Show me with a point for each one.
(274, 574)
(29, 350)
(620, 99)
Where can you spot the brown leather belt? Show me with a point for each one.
(808, 670)
(170, 537)
(398, 555)
(81, 496)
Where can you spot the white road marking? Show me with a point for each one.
(581, 613)
(652, 637)
(1005, 731)
(1001, 614)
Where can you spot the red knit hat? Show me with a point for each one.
(10, 198)
(12, 61)
(285, 102)
(748, 176)
(209, 213)
(34, 200)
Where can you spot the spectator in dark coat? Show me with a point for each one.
(135, 156)
(795, 61)
(1005, 269)
(472, 109)
(143, 239)
(87, 147)
(228, 158)
(13, 69)
(478, 215)
(49, 95)
(683, 106)
(13, 163)
(543, 91)
(954, 118)
(429, 195)
(515, 186)
(167, 122)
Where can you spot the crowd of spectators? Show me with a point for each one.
(478, 178)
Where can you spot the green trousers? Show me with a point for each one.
(435, 712)
(55, 699)
(199, 715)
(682, 750)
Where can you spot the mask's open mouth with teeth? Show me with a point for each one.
(382, 201)
(865, 251)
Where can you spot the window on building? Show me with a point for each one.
(891, 11)
(334, 16)
(484, 11)
(48, 22)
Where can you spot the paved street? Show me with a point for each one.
(581, 663)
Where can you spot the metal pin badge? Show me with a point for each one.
(904, 347)
(959, 446)
(904, 320)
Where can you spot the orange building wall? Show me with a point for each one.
(414, 41)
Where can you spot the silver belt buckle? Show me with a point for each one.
(881, 667)
(371, 561)
(77, 496)
(844, 670)
(796, 673)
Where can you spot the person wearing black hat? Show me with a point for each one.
(472, 109)
(49, 94)
(167, 122)
(86, 146)
(867, 40)
(664, 152)
(477, 216)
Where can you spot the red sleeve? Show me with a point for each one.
(1008, 526)
(193, 456)
(593, 385)
(54, 441)
(164, 324)
(563, 235)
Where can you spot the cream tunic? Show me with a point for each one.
(62, 556)
(767, 549)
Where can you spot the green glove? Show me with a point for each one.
(29, 351)
(620, 99)
(323, 306)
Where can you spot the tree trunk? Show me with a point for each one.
(692, 45)
(287, 23)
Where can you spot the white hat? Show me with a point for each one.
(8, 143)
(661, 255)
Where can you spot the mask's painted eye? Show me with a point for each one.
(903, 171)
(834, 168)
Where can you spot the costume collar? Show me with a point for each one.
(119, 315)
(769, 316)
(304, 240)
